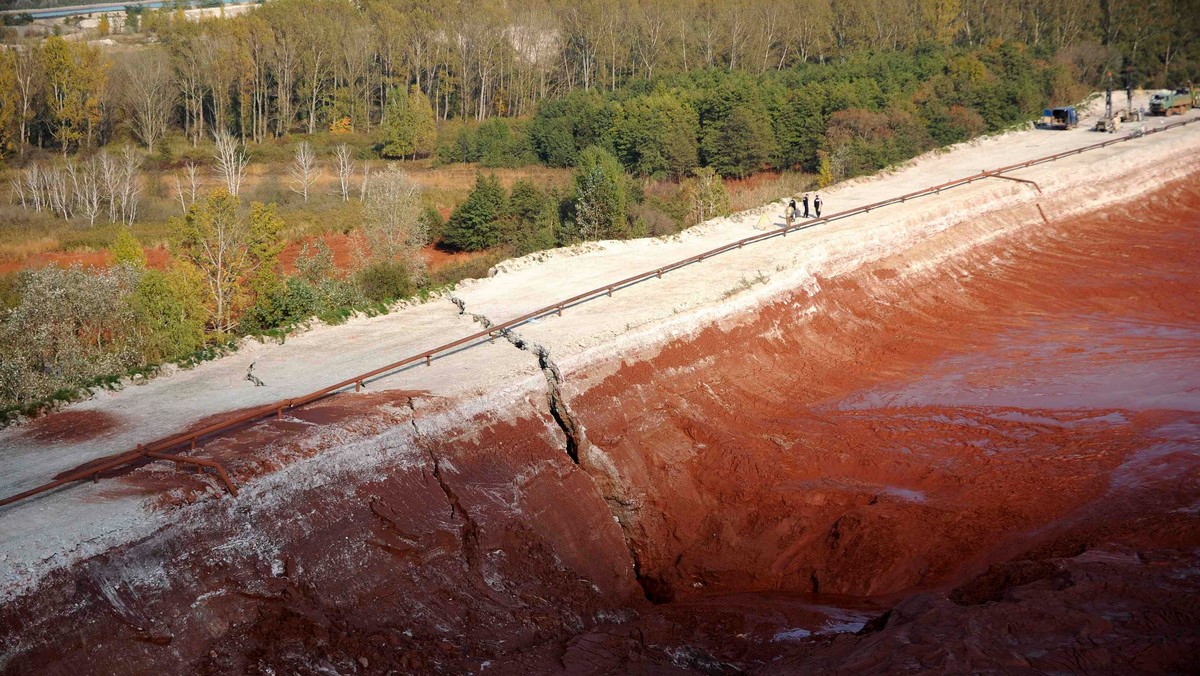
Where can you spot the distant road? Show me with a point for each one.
(72, 10)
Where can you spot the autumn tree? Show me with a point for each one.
(28, 80)
(266, 243)
(127, 250)
(314, 24)
(227, 247)
(221, 61)
(391, 237)
(9, 138)
(408, 125)
(75, 78)
(392, 226)
(168, 312)
(258, 39)
(706, 195)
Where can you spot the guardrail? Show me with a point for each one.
(154, 450)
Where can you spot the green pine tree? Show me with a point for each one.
(478, 223)
(534, 218)
(742, 143)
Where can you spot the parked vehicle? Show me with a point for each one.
(1060, 118)
(1169, 102)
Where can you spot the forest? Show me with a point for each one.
(214, 143)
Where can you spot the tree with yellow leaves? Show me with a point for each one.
(234, 252)
(75, 79)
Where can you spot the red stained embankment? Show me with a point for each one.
(977, 426)
(989, 465)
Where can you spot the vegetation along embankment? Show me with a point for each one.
(239, 175)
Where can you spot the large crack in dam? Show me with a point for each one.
(988, 464)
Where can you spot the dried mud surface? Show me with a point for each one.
(991, 466)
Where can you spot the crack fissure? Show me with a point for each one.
(469, 531)
(578, 447)
(560, 411)
(412, 419)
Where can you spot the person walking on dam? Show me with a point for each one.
(791, 212)
(817, 205)
(805, 203)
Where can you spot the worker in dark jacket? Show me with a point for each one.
(817, 205)
(805, 203)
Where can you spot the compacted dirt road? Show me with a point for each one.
(952, 437)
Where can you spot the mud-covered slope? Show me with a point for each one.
(992, 464)
(1018, 433)
(459, 546)
(887, 432)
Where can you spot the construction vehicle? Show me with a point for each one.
(1110, 122)
(1167, 103)
(1059, 118)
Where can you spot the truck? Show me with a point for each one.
(1060, 118)
(1169, 102)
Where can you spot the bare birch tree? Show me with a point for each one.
(187, 186)
(86, 181)
(345, 168)
(231, 161)
(148, 94)
(365, 185)
(304, 169)
(57, 194)
(18, 190)
(392, 226)
(110, 179)
(32, 177)
(129, 186)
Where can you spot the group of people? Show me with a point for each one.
(793, 211)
